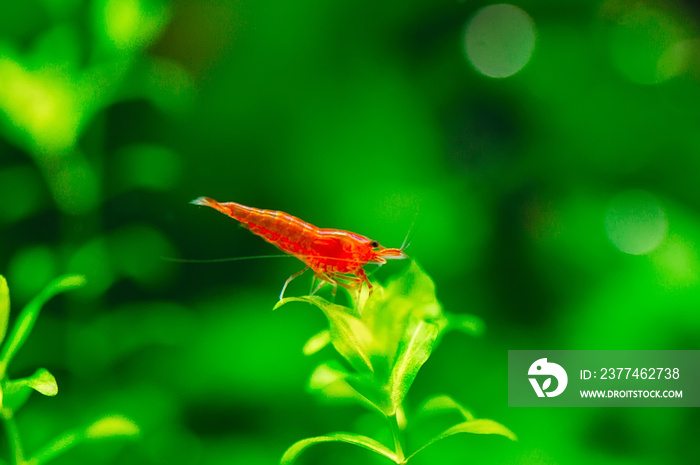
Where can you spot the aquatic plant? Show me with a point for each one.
(382, 349)
(15, 392)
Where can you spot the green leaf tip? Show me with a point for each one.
(4, 307)
(444, 403)
(110, 426)
(68, 282)
(348, 334)
(320, 302)
(43, 382)
(18, 390)
(29, 314)
(326, 374)
(317, 342)
(349, 438)
(114, 425)
(480, 426)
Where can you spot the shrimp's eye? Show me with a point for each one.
(374, 244)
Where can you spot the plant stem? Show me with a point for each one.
(398, 438)
(59, 446)
(13, 442)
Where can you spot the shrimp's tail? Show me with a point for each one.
(236, 211)
(279, 228)
(206, 201)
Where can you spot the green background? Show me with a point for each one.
(526, 191)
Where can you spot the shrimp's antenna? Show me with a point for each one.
(220, 260)
(253, 257)
(406, 242)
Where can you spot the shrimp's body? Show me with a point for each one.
(335, 256)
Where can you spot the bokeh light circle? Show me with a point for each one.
(679, 58)
(636, 222)
(642, 45)
(30, 269)
(500, 40)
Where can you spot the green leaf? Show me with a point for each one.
(394, 310)
(332, 381)
(4, 307)
(348, 334)
(315, 300)
(350, 337)
(327, 374)
(30, 313)
(417, 345)
(110, 426)
(114, 425)
(17, 391)
(481, 426)
(443, 403)
(41, 381)
(372, 391)
(350, 438)
(317, 342)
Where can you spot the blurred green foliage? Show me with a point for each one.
(15, 392)
(115, 114)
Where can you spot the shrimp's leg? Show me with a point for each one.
(362, 277)
(335, 286)
(320, 285)
(289, 280)
(335, 289)
(352, 283)
(327, 278)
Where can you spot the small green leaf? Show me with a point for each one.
(326, 374)
(416, 347)
(115, 425)
(42, 381)
(317, 342)
(442, 403)
(394, 309)
(372, 392)
(30, 313)
(4, 307)
(17, 391)
(110, 426)
(350, 438)
(315, 300)
(481, 426)
(350, 337)
(332, 381)
(348, 334)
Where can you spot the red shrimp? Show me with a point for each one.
(336, 257)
